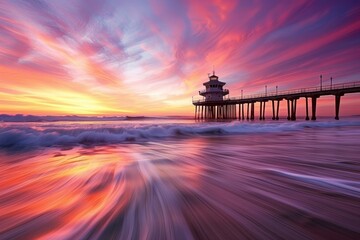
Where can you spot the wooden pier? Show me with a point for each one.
(236, 107)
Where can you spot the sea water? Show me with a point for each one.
(180, 179)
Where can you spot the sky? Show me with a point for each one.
(149, 57)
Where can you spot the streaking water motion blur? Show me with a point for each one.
(180, 180)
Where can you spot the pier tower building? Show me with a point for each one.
(214, 89)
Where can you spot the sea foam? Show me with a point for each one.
(19, 137)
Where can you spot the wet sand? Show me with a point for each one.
(281, 185)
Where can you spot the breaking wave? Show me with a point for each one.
(19, 137)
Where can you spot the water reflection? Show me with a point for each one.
(228, 187)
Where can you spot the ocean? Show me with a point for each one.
(152, 178)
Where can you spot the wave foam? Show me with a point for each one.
(19, 138)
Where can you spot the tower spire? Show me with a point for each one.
(213, 70)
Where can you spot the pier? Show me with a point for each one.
(243, 108)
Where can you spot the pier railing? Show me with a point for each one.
(319, 89)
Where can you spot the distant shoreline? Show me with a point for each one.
(34, 118)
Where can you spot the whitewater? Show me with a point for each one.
(180, 179)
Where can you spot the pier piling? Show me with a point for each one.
(313, 108)
(242, 111)
(263, 114)
(307, 109)
(337, 106)
(288, 109)
(293, 109)
(252, 117)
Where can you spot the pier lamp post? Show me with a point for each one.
(276, 90)
(265, 90)
(320, 82)
(330, 82)
(241, 93)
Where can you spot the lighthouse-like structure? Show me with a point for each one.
(214, 89)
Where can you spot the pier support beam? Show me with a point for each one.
(275, 109)
(293, 109)
(337, 106)
(247, 113)
(288, 109)
(261, 110)
(252, 117)
(307, 109)
(313, 107)
(241, 114)
(242, 111)
(230, 111)
(263, 114)
(234, 111)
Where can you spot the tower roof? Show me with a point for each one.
(213, 79)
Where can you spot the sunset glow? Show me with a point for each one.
(150, 57)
